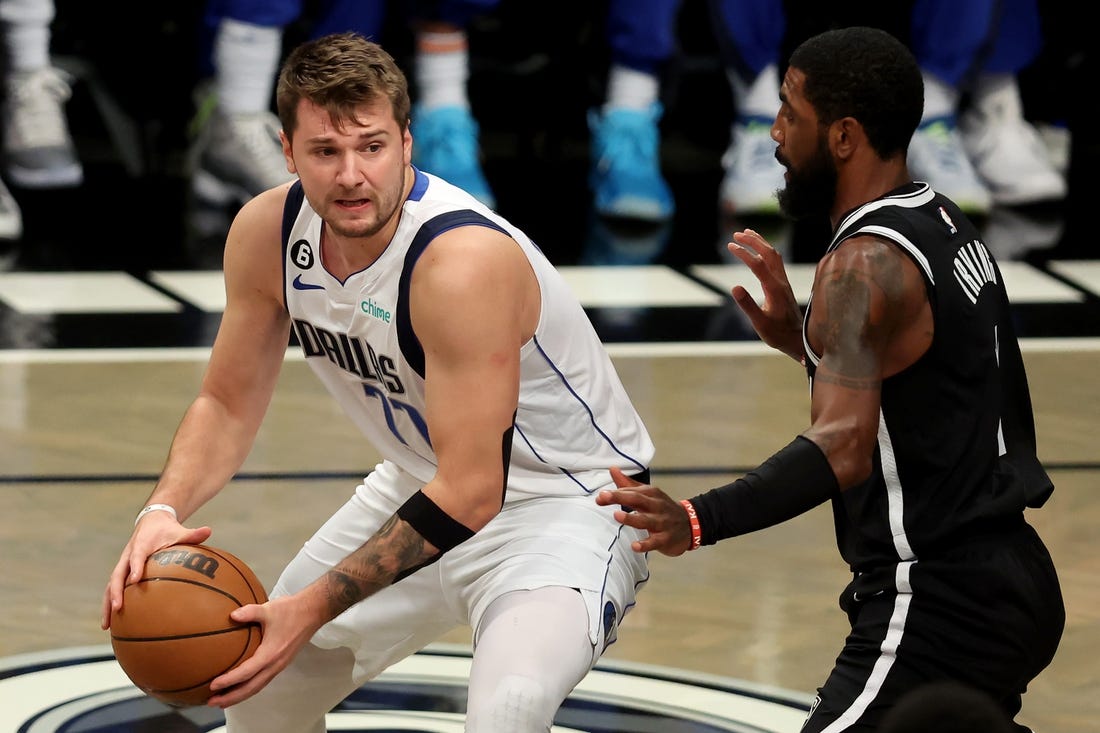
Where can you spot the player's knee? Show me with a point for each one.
(517, 703)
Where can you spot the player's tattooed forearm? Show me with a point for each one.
(346, 590)
(372, 567)
(405, 547)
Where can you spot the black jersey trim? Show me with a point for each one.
(291, 208)
(911, 200)
(429, 230)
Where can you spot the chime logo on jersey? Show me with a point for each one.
(84, 689)
(374, 310)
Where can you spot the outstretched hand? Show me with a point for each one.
(778, 322)
(647, 507)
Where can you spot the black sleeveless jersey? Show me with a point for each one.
(956, 440)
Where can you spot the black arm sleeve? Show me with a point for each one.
(791, 482)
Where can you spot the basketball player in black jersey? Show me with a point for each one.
(921, 434)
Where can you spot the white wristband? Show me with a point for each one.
(155, 508)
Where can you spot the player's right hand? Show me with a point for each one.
(155, 531)
(651, 509)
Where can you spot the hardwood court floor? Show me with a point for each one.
(81, 442)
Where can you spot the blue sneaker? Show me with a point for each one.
(445, 144)
(626, 165)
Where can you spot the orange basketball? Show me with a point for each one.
(173, 635)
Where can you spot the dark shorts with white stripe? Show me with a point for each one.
(988, 614)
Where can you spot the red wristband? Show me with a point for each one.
(696, 532)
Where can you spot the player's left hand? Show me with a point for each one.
(287, 625)
(778, 321)
(651, 509)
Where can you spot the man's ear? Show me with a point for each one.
(845, 137)
(287, 153)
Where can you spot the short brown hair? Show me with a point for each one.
(339, 72)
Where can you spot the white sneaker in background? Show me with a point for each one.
(1058, 141)
(38, 149)
(938, 157)
(11, 218)
(752, 174)
(1007, 151)
(1011, 234)
(236, 157)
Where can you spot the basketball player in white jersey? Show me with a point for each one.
(455, 346)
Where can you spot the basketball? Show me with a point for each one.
(173, 634)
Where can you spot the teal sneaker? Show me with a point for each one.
(445, 143)
(626, 165)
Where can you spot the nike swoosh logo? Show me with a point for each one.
(299, 285)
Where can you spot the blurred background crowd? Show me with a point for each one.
(616, 132)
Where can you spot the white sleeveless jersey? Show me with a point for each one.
(574, 419)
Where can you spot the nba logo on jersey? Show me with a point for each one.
(947, 220)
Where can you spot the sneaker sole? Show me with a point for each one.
(11, 229)
(1033, 196)
(638, 208)
(760, 207)
(47, 178)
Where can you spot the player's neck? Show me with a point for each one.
(856, 185)
(344, 256)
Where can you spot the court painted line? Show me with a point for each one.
(203, 288)
(81, 292)
(699, 349)
(642, 286)
(261, 478)
(1085, 273)
(1025, 283)
(724, 277)
(595, 287)
(293, 353)
(84, 689)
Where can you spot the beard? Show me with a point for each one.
(811, 188)
(386, 206)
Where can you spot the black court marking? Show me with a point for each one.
(84, 690)
(357, 475)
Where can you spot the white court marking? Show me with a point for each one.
(81, 292)
(1085, 273)
(203, 288)
(641, 350)
(69, 689)
(641, 286)
(1025, 283)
